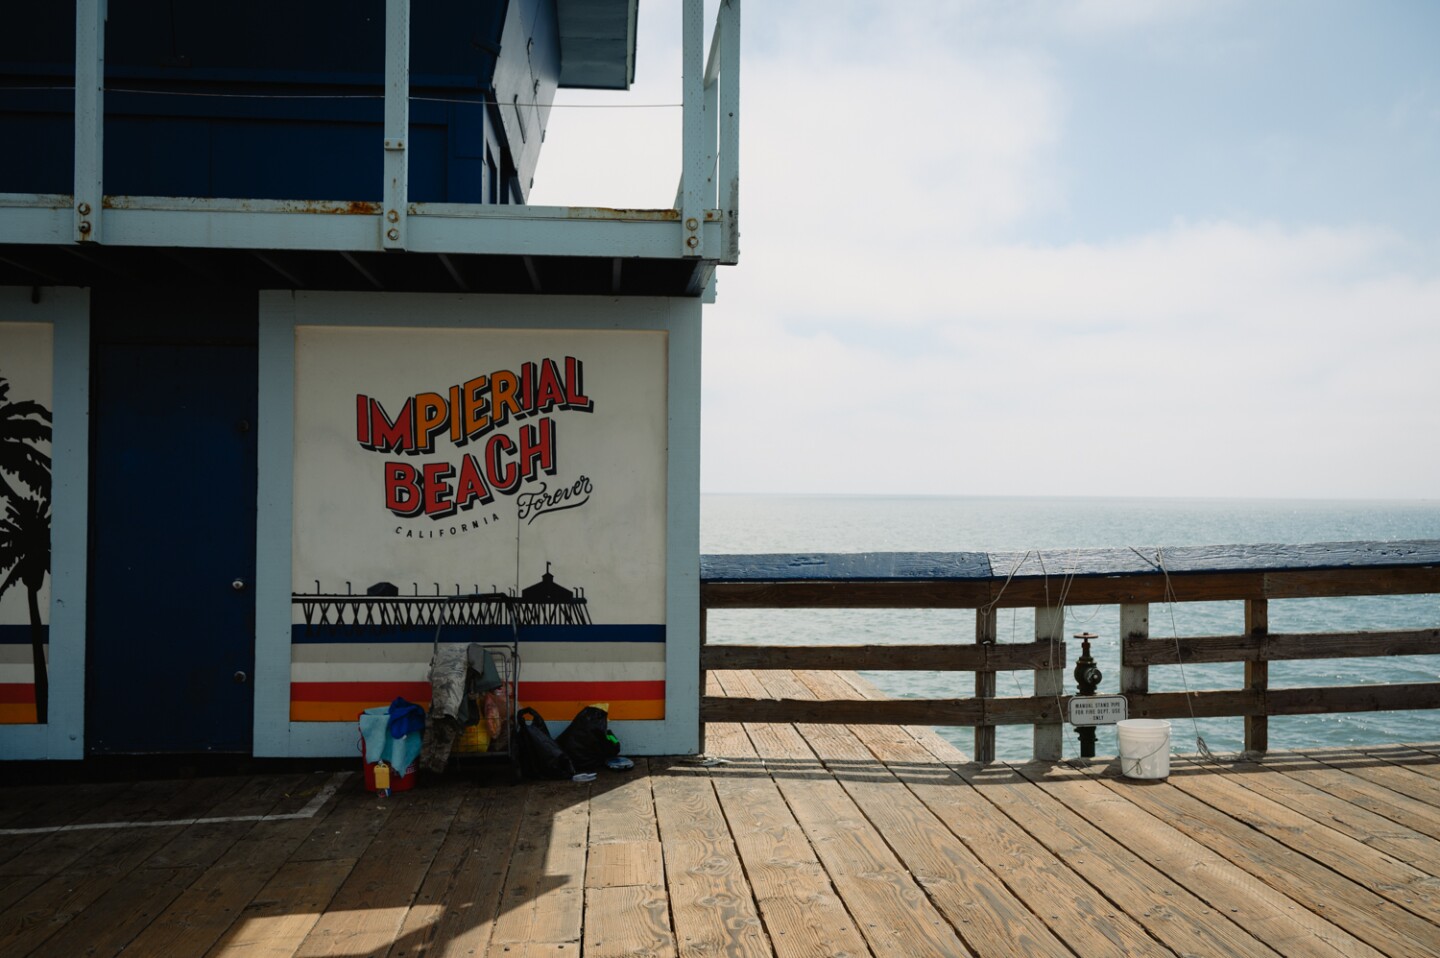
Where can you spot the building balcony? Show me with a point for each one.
(431, 175)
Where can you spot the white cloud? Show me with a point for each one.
(901, 320)
(1211, 359)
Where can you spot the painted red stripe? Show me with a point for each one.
(17, 692)
(593, 691)
(420, 691)
(358, 691)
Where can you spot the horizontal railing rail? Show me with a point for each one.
(1048, 583)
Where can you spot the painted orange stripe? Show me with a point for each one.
(590, 691)
(337, 711)
(17, 713)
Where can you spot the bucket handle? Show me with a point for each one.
(1163, 744)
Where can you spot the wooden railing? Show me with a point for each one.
(1048, 582)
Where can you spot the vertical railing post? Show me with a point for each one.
(695, 171)
(704, 674)
(89, 118)
(985, 634)
(1134, 628)
(727, 22)
(1257, 675)
(396, 197)
(1050, 682)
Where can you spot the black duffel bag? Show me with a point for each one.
(540, 755)
(588, 740)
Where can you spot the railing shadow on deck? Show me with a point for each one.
(1131, 579)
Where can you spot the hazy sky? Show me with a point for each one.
(1090, 248)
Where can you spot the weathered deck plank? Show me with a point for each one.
(1413, 846)
(544, 896)
(710, 900)
(1166, 908)
(1357, 792)
(801, 910)
(627, 912)
(890, 908)
(455, 910)
(1270, 916)
(239, 859)
(1072, 907)
(809, 841)
(1406, 886)
(978, 905)
(1359, 910)
(369, 909)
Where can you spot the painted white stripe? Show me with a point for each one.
(529, 672)
(592, 672)
(16, 655)
(358, 672)
(412, 653)
(402, 652)
(532, 652)
(313, 806)
(24, 674)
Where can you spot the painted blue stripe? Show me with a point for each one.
(20, 634)
(308, 635)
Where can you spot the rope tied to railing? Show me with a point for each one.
(1170, 602)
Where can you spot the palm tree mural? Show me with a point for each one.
(25, 550)
(25, 529)
(23, 426)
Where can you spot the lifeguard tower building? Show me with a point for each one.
(281, 339)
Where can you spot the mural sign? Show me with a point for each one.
(26, 385)
(463, 485)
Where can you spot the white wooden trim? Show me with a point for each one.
(68, 311)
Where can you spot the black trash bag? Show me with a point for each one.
(540, 756)
(588, 741)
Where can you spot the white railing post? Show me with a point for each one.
(395, 197)
(727, 25)
(1134, 629)
(693, 173)
(89, 118)
(1050, 683)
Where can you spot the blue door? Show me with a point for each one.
(171, 643)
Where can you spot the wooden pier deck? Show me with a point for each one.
(808, 840)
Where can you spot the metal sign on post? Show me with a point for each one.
(1098, 709)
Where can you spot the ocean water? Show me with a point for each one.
(758, 524)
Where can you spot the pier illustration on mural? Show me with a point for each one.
(382, 607)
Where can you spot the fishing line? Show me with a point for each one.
(990, 607)
(1066, 582)
(1170, 601)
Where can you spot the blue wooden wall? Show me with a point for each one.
(277, 99)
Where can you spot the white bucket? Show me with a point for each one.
(1144, 747)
